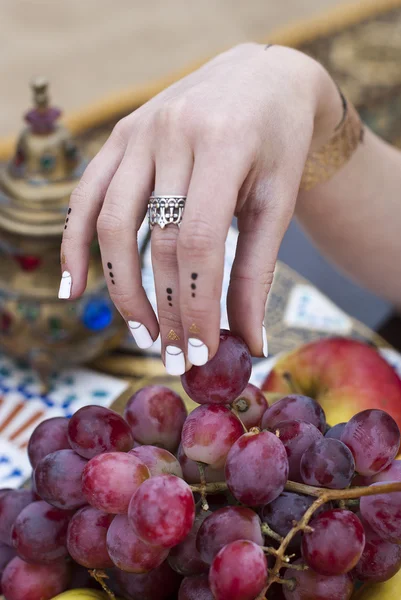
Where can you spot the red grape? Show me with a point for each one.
(49, 436)
(158, 460)
(160, 584)
(191, 473)
(109, 480)
(238, 572)
(283, 511)
(195, 588)
(224, 377)
(208, 434)
(6, 554)
(11, 504)
(33, 487)
(226, 525)
(86, 540)
(391, 473)
(257, 468)
(297, 437)
(380, 560)
(162, 511)
(39, 534)
(156, 416)
(26, 581)
(310, 585)
(295, 408)
(336, 543)
(373, 438)
(328, 463)
(128, 552)
(251, 405)
(185, 558)
(383, 514)
(58, 479)
(336, 431)
(96, 429)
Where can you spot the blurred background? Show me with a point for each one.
(92, 49)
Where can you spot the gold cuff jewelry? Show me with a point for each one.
(322, 164)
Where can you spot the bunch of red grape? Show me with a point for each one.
(128, 496)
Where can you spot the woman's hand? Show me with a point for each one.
(233, 137)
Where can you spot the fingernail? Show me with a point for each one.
(175, 360)
(265, 346)
(198, 352)
(65, 286)
(140, 334)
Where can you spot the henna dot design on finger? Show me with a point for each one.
(67, 218)
(194, 277)
(110, 266)
(169, 296)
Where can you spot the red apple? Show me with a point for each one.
(343, 375)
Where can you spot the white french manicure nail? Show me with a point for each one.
(140, 334)
(198, 352)
(65, 286)
(265, 346)
(175, 360)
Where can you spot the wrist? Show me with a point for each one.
(329, 108)
(316, 87)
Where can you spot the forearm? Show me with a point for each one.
(355, 217)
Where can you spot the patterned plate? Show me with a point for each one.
(23, 406)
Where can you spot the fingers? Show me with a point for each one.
(261, 233)
(122, 213)
(174, 164)
(209, 210)
(164, 261)
(84, 208)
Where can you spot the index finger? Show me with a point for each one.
(84, 208)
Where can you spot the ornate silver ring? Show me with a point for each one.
(165, 210)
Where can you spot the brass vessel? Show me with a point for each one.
(35, 186)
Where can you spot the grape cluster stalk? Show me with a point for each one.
(323, 496)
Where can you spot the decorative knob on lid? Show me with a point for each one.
(43, 117)
(36, 184)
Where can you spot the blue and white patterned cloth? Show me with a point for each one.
(23, 407)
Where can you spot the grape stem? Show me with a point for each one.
(203, 485)
(209, 488)
(297, 567)
(266, 530)
(322, 495)
(235, 411)
(100, 576)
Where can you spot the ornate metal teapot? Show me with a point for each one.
(35, 186)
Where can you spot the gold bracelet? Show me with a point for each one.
(322, 164)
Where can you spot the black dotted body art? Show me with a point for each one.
(110, 266)
(194, 277)
(67, 219)
(169, 296)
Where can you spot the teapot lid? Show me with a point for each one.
(35, 185)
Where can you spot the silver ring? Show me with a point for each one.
(165, 210)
